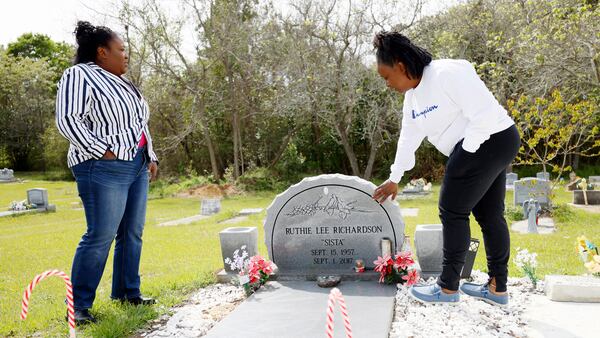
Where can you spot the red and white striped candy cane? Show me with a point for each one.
(336, 295)
(70, 308)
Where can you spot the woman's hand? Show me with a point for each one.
(109, 155)
(153, 168)
(384, 191)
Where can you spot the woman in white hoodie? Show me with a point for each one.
(446, 101)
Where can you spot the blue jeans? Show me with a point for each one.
(114, 195)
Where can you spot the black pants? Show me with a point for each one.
(476, 182)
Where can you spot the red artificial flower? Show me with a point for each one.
(411, 278)
(257, 265)
(383, 265)
(403, 260)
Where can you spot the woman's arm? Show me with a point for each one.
(410, 139)
(73, 103)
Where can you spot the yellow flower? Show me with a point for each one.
(582, 243)
(593, 266)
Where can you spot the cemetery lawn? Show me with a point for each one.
(178, 260)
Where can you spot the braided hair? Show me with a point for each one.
(89, 38)
(393, 47)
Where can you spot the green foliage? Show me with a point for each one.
(261, 179)
(290, 164)
(513, 214)
(169, 187)
(41, 47)
(55, 149)
(26, 109)
(562, 213)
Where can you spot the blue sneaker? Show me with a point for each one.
(482, 292)
(432, 294)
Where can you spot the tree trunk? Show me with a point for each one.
(236, 145)
(371, 161)
(348, 150)
(211, 151)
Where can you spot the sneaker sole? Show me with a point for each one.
(487, 300)
(426, 302)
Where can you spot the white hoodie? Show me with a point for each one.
(449, 104)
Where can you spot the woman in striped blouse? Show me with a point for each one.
(105, 118)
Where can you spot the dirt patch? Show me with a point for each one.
(211, 191)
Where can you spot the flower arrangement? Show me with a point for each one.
(527, 262)
(20, 206)
(588, 252)
(253, 272)
(419, 184)
(397, 269)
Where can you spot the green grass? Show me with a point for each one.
(175, 260)
(178, 260)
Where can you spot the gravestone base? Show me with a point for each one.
(10, 180)
(593, 197)
(368, 275)
(298, 309)
(225, 277)
(584, 289)
(545, 226)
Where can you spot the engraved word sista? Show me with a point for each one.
(424, 112)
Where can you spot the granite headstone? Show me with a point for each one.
(511, 178)
(7, 175)
(38, 196)
(528, 188)
(210, 206)
(321, 225)
(543, 175)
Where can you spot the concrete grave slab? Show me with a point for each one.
(297, 309)
(584, 289)
(548, 319)
(409, 212)
(183, 221)
(545, 226)
(250, 211)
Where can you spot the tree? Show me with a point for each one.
(59, 55)
(26, 107)
(552, 130)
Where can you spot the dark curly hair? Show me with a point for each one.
(89, 38)
(393, 47)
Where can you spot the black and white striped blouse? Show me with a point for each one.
(97, 110)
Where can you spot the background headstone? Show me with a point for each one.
(573, 185)
(210, 206)
(38, 196)
(595, 180)
(593, 197)
(323, 224)
(529, 188)
(543, 175)
(572, 176)
(429, 249)
(511, 178)
(234, 238)
(7, 175)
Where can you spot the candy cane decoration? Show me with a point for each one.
(336, 295)
(70, 308)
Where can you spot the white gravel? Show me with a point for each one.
(469, 318)
(204, 309)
